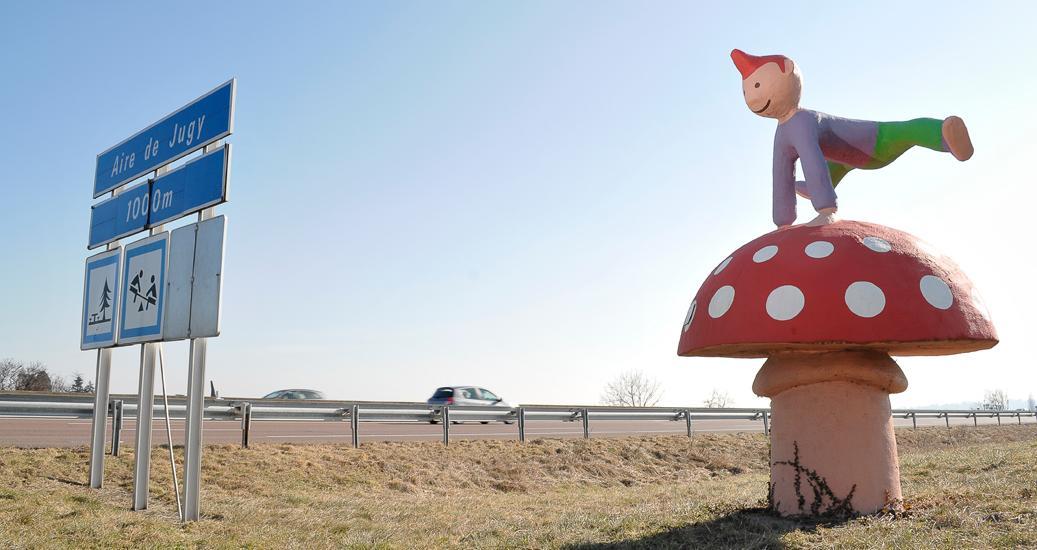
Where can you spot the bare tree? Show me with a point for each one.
(994, 400)
(33, 378)
(59, 384)
(8, 374)
(632, 389)
(718, 400)
(16, 375)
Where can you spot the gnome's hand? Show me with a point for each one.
(825, 216)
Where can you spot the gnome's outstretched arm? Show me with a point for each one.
(784, 198)
(804, 146)
(818, 179)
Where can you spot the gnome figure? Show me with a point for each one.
(828, 147)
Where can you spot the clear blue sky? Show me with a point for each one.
(521, 195)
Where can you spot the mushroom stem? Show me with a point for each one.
(832, 442)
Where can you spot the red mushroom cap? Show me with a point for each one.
(847, 285)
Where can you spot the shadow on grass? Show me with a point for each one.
(69, 481)
(749, 528)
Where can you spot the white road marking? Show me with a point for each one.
(46, 416)
(180, 429)
(513, 434)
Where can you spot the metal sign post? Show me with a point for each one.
(145, 389)
(100, 421)
(193, 435)
(195, 411)
(145, 410)
(103, 373)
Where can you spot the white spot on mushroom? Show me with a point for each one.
(819, 249)
(721, 301)
(936, 292)
(865, 299)
(722, 265)
(877, 244)
(691, 315)
(785, 302)
(765, 253)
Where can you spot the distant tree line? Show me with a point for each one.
(997, 400)
(34, 376)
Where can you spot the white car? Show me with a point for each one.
(466, 395)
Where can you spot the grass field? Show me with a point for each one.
(964, 488)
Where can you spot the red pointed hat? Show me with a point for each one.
(747, 64)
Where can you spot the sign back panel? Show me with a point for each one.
(197, 124)
(195, 283)
(100, 300)
(208, 278)
(144, 278)
(177, 324)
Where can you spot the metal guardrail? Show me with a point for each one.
(247, 410)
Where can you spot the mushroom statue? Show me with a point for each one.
(827, 306)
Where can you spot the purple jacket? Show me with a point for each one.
(815, 138)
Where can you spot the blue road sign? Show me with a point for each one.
(119, 216)
(143, 294)
(199, 123)
(198, 184)
(100, 300)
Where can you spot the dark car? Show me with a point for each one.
(295, 394)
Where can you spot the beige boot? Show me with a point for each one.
(956, 136)
(825, 216)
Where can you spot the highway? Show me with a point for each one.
(75, 432)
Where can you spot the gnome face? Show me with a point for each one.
(773, 91)
(771, 84)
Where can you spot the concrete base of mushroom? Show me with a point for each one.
(832, 443)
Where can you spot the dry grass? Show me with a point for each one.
(965, 487)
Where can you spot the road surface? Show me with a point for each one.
(75, 432)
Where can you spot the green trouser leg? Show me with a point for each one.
(837, 170)
(892, 140)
